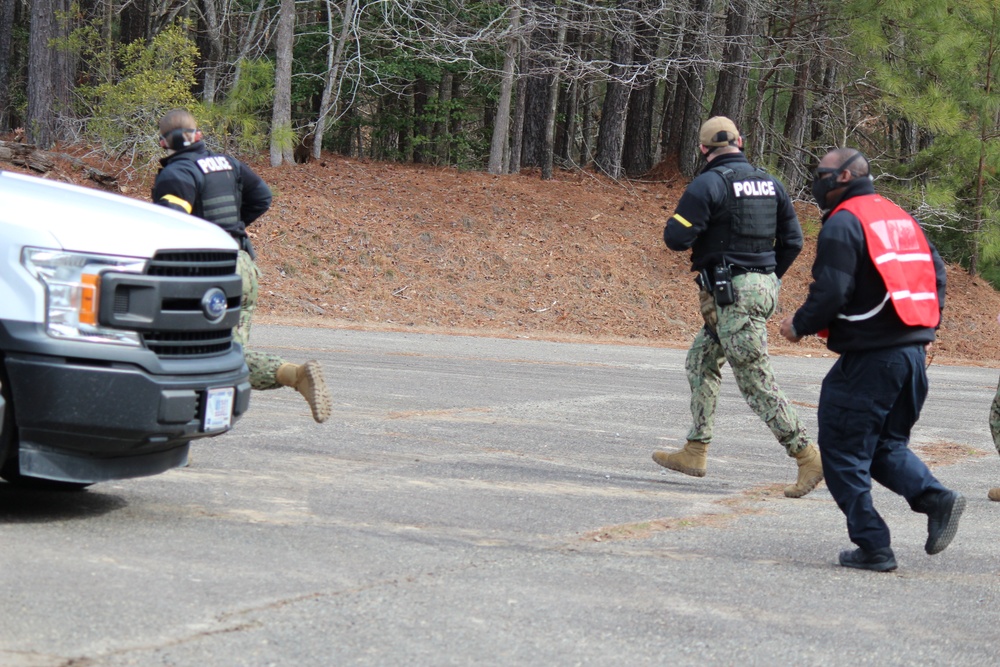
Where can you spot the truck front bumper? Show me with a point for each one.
(88, 422)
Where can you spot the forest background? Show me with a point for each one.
(615, 86)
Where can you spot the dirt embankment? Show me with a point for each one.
(358, 244)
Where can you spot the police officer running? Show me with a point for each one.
(744, 234)
(222, 190)
(878, 289)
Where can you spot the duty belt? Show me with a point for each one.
(740, 270)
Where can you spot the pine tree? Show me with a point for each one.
(936, 65)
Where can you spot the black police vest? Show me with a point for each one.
(220, 193)
(749, 222)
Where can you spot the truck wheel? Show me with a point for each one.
(8, 451)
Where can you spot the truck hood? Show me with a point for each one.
(43, 213)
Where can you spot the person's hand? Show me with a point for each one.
(787, 331)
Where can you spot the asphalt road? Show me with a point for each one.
(493, 502)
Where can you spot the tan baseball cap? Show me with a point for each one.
(718, 131)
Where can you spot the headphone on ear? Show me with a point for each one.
(175, 139)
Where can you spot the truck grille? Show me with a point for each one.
(183, 263)
(189, 343)
(172, 338)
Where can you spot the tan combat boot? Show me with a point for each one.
(307, 379)
(810, 472)
(994, 494)
(691, 460)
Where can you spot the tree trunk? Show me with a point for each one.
(65, 66)
(455, 124)
(908, 140)
(404, 103)
(535, 107)
(587, 124)
(41, 62)
(585, 107)
(213, 54)
(282, 146)
(553, 102)
(6, 40)
(820, 114)
(790, 163)
(682, 120)
(442, 126)
(669, 145)
(987, 129)
(611, 132)
(421, 128)
(330, 98)
(501, 125)
(536, 100)
(689, 158)
(731, 88)
(670, 86)
(134, 21)
(517, 137)
(637, 155)
(568, 137)
(637, 152)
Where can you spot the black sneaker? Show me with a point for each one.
(877, 560)
(942, 520)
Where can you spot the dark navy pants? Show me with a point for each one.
(869, 402)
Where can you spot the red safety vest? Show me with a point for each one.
(902, 256)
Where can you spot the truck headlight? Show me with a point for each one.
(72, 282)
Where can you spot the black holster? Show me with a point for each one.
(246, 246)
(722, 285)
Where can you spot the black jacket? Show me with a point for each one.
(705, 202)
(180, 184)
(846, 281)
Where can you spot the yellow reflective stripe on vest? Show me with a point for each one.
(172, 199)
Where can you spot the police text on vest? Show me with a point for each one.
(753, 188)
(216, 163)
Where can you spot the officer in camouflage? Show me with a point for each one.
(224, 191)
(744, 234)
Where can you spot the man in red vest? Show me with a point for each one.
(878, 290)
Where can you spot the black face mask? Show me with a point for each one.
(821, 187)
(825, 180)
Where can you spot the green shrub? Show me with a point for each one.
(151, 79)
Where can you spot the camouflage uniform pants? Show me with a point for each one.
(743, 343)
(263, 367)
(995, 420)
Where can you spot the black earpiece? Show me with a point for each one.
(175, 139)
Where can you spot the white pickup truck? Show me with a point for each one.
(116, 346)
